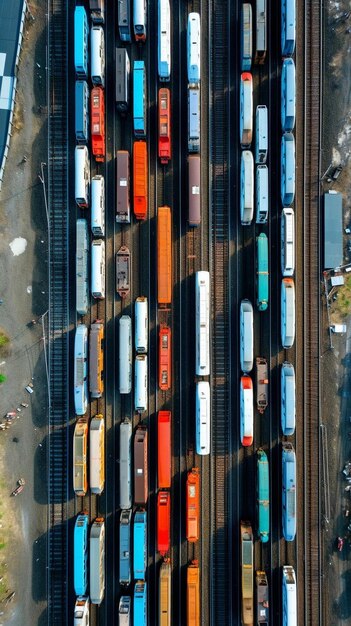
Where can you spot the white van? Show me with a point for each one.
(262, 195)
(246, 336)
(97, 49)
(82, 176)
(246, 188)
(98, 268)
(288, 399)
(141, 324)
(98, 206)
(261, 134)
(287, 241)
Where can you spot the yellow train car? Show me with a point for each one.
(96, 359)
(164, 599)
(193, 594)
(80, 447)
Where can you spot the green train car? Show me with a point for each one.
(262, 272)
(263, 495)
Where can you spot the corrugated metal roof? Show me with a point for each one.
(333, 233)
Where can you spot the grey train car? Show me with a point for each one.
(194, 181)
(122, 187)
(140, 466)
(125, 460)
(122, 79)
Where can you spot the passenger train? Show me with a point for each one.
(288, 491)
(80, 554)
(287, 312)
(193, 48)
(125, 353)
(287, 169)
(288, 95)
(246, 411)
(289, 597)
(125, 464)
(288, 27)
(98, 269)
(287, 239)
(262, 195)
(97, 54)
(202, 325)
(288, 399)
(203, 418)
(141, 325)
(98, 206)
(82, 176)
(246, 110)
(261, 148)
(246, 188)
(81, 369)
(164, 40)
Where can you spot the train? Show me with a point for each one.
(203, 418)
(287, 169)
(140, 383)
(288, 27)
(288, 96)
(80, 554)
(164, 41)
(122, 187)
(164, 594)
(246, 37)
(246, 561)
(164, 255)
(97, 56)
(164, 358)
(287, 312)
(261, 146)
(124, 20)
(164, 458)
(193, 604)
(82, 176)
(192, 505)
(262, 272)
(97, 123)
(80, 457)
(246, 411)
(139, 20)
(164, 125)
(125, 352)
(194, 190)
(140, 603)
(246, 336)
(139, 545)
(194, 48)
(202, 324)
(81, 370)
(261, 32)
(194, 125)
(97, 11)
(81, 612)
(98, 269)
(125, 464)
(141, 325)
(288, 399)
(287, 241)
(140, 466)
(140, 180)
(246, 187)
(98, 206)
(163, 522)
(97, 454)
(246, 110)
(81, 32)
(289, 596)
(125, 605)
(123, 271)
(262, 495)
(288, 491)
(139, 99)
(262, 194)
(82, 111)
(125, 547)
(262, 598)
(96, 359)
(262, 382)
(97, 561)
(122, 78)
(82, 260)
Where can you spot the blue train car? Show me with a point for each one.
(81, 31)
(288, 95)
(287, 169)
(82, 111)
(289, 491)
(263, 495)
(140, 604)
(139, 99)
(288, 23)
(124, 547)
(80, 554)
(262, 272)
(139, 545)
(246, 37)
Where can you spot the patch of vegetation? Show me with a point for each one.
(342, 305)
(5, 344)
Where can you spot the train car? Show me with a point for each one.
(164, 358)
(164, 255)
(82, 112)
(288, 27)
(122, 185)
(194, 48)
(82, 258)
(287, 169)
(97, 11)
(140, 180)
(287, 241)
(246, 336)
(98, 206)
(163, 522)
(246, 411)
(194, 119)
(141, 324)
(262, 272)
(202, 326)
(80, 554)
(203, 418)
(139, 20)
(287, 312)
(125, 464)
(80, 457)
(97, 561)
(246, 37)
(122, 78)
(97, 454)
(262, 194)
(123, 271)
(164, 458)
(125, 611)
(164, 594)
(98, 269)
(125, 354)
(289, 597)
(140, 604)
(288, 491)
(194, 189)
(81, 612)
(246, 110)
(96, 359)
(141, 488)
(261, 32)
(247, 605)
(124, 20)
(288, 399)
(192, 505)
(97, 54)
(139, 99)
(261, 384)
(82, 176)
(246, 188)
(262, 598)
(97, 112)
(164, 125)
(261, 147)
(288, 95)
(124, 547)
(262, 496)
(139, 545)
(164, 40)
(81, 370)
(193, 606)
(81, 32)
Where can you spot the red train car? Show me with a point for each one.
(163, 522)
(164, 125)
(193, 505)
(164, 449)
(140, 180)
(164, 358)
(97, 110)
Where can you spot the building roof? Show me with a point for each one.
(333, 232)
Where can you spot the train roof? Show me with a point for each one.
(333, 230)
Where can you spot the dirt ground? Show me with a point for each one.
(24, 295)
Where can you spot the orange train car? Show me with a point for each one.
(163, 522)
(193, 594)
(164, 125)
(164, 449)
(97, 110)
(193, 505)
(140, 180)
(164, 358)
(164, 255)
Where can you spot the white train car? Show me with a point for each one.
(82, 176)
(141, 324)
(125, 611)
(98, 206)
(97, 561)
(246, 37)
(288, 27)
(194, 122)
(287, 241)
(140, 382)
(288, 399)
(246, 110)
(261, 147)
(81, 370)
(289, 597)
(125, 354)
(287, 312)
(203, 418)
(125, 464)
(81, 612)
(246, 188)
(98, 269)
(82, 257)
(246, 336)
(97, 56)
(164, 40)
(202, 325)
(193, 48)
(262, 195)
(246, 411)
(97, 454)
